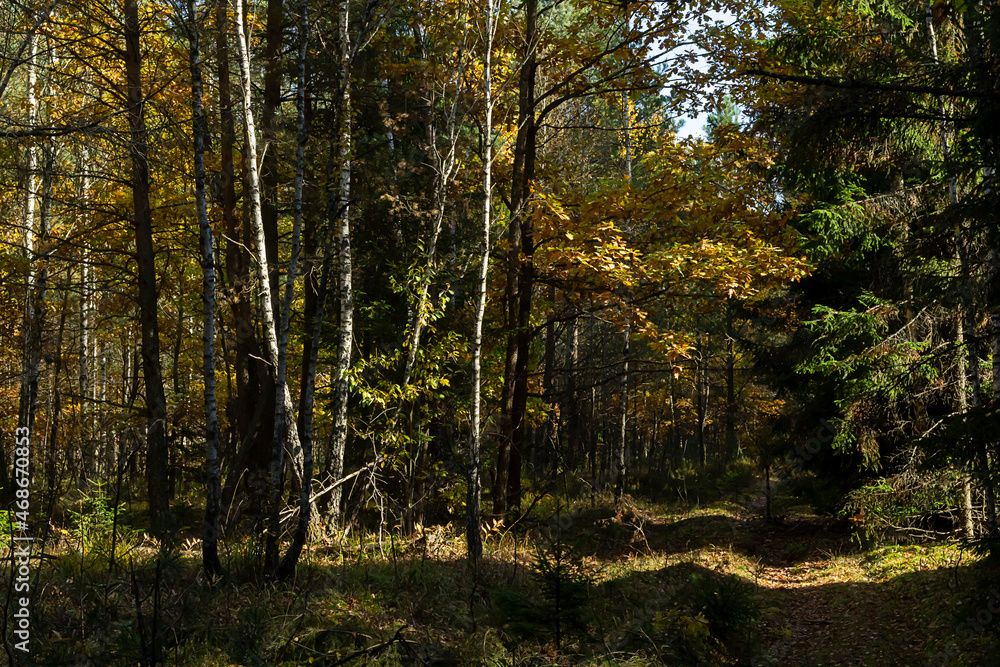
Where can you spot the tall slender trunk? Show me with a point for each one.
(520, 271)
(157, 453)
(31, 354)
(55, 397)
(972, 345)
(621, 464)
(86, 292)
(241, 403)
(731, 445)
(542, 447)
(621, 453)
(270, 331)
(701, 388)
(968, 524)
(571, 403)
(973, 19)
(250, 411)
(593, 445)
(341, 211)
(306, 501)
(283, 413)
(473, 498)
(672, 432)
(269, 161)
(210, 528)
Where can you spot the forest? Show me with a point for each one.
(384, 332)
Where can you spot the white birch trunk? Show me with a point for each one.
(28, 363)
(257, 223)
(287, 565)
(338, 436)
(82, 193)
(473, 537)
(210, 529)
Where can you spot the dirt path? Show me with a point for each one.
(822, 610)
(824, 601)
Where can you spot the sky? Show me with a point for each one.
(695, 125)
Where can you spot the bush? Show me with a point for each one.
(98, 535)
(729, 604)
(562, 583)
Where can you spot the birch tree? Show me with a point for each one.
(341, 212)
(29, 364)
(210, 530)
(473, 537)
(282, 416)
(265, 299)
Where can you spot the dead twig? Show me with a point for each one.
(372, 650)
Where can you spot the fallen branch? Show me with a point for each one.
(371, 650)
(294, 509)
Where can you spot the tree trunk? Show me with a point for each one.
(672, 444)
(472, 518)
(972, 339)
(31, 354)
(283, 414)
(306, 501)
(571, 404)
(156, 403)
(701, 388)
(520, 264)
(968, 524)
(593, 446)
(731, 446)
(543, 449)
(86, 292)
(340, 210)
(273, 32)
(621, 463)
(622, 453)
(210, 528)
(270, 332)
(250, 411)
(240, 406)
(55, 395)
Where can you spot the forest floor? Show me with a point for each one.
(639, 584)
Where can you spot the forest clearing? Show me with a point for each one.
(422, 333)
(644, 584)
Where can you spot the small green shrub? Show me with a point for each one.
(560, 601)
(97, 537)
(729, 604)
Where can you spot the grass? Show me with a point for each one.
(663, 584)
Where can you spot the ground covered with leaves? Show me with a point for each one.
(579, 581)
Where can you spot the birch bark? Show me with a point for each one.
(473, 500)
(265, 300)
(210, 529)
(29, 363)
(342, 219)
(287, 565)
